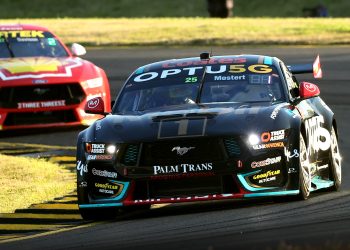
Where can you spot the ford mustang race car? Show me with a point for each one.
(42, 83)
(208, 128)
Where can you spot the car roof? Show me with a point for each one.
(226, 59)
(22, 27)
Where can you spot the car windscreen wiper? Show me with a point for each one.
(8, 45)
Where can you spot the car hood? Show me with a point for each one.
(38, 70)
(181, 122)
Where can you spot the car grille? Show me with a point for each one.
(72, 94)
(46, 117)
(130, 155)
(165, 152)
(232, 147)
(194, 186)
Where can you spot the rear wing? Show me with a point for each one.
(314, 68)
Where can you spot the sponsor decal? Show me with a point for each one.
(27, 39)
(43, 104)
(276, 111)
(83, 184)
(269, 145)
(267, 162)
(106, 191)
(268, 179)
(255, 68)
(181, 176)
(93, 103)
(233, 69)
(40, 81)
(272, 136)
(104, 173)
(291, 170)
(319, 137)
(229, 78)
(182, 168)
(11, 28)
(99, 157)
(22, 33)
(288, 154)
(51, 41)
(107, 186)
(21, 68)
(177, 64)
(182, 150)
(267, 174)
(310, 87)
(81, 168)
(93, 148)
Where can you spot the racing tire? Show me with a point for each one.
(98, 213)
(335, 169)
(304, 171)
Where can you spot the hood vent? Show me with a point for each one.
(130, 156)
(232, 147)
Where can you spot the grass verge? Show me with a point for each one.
(25, 181)
(161, 8)
(197, 31)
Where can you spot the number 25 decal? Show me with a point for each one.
(255, 68)
(191, 79)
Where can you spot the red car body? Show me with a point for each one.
(45, 91)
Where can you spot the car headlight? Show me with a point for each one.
(93, 83)
(111, 149)
(253, 139)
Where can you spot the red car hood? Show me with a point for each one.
(36, 70)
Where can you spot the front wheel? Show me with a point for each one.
(335, 162)
(304, 171)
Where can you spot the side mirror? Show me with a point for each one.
(78, 50)
(95, 106)
(307, 90)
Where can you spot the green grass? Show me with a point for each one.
(198, 31)
(160, 8)
(25, 181)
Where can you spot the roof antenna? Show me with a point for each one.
(205, 55)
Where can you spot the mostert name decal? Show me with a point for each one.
(182, 168)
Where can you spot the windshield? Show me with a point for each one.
(238, 83)
(30, 43)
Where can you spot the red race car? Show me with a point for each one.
(43, 83)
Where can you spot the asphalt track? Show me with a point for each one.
(320, 222)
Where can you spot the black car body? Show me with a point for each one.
(208, 128)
